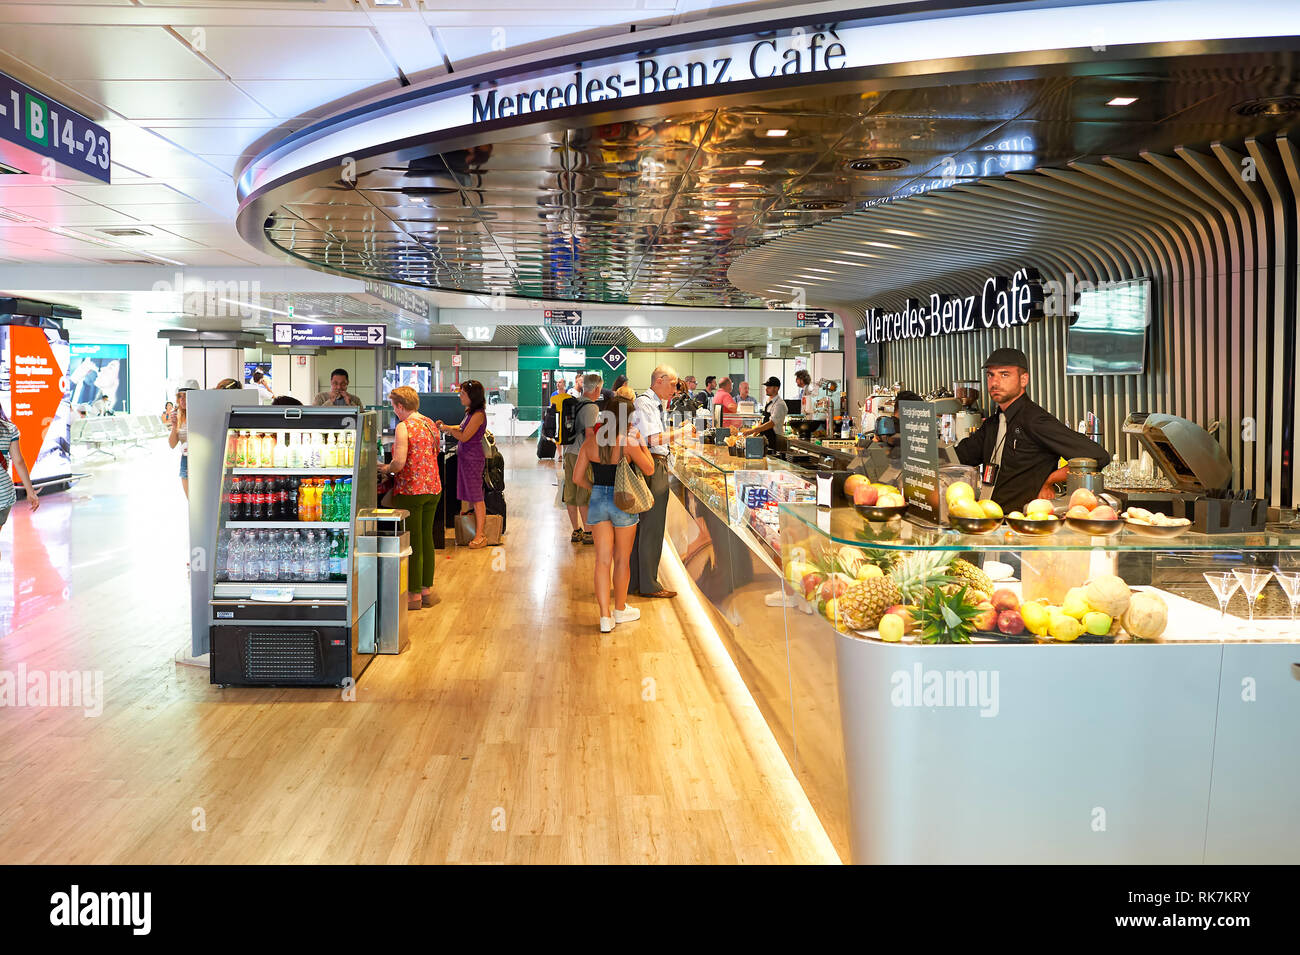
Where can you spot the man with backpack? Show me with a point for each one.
(577, 417)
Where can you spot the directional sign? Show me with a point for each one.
(337, 336)
(614, 357)
(562, 316)
(814, 320)
(42, 125)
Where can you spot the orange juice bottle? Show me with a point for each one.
(315, 499)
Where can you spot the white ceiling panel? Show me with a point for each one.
(407, 37)
(179, 212)
(41, 197)
(68, 52)
(145, 100)
(129, 194)
(302, 52)
(153, 155)
(76, 216)
(305, 97)
(463, 43)
(205, 140)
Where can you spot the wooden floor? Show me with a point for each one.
(511, 732)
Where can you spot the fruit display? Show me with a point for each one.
(1146, 617)
(946, 618)
(868, 600)
(964, 570)
(866, 494)
(1140, 515)
(1087, 506)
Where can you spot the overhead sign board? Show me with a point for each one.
(42, 125)
(614, 357)
(562, 316)
(814, 320)
(573, 357)
(408, 300)
(1000, 303)
(330, 336)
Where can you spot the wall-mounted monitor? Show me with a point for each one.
(866, 355)
(1109, 333)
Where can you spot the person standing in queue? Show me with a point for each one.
(772, 427)
(416, 489)
(1017, 448)
(651, 423)
(338, 393)
(471, 456)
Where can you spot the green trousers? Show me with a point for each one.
(422, 507)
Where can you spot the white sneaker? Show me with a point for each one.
(606, 624)
(626, 615)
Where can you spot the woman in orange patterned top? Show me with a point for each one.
(417, 488)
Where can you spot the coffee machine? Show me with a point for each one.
(968, 419)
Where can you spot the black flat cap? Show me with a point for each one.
(1007, 356)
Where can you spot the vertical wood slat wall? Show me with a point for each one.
(1219, 242)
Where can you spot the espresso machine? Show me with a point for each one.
(968, 419)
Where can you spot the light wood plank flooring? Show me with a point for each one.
(511, 732)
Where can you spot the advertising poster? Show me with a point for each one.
(413, 374)
(101, 370)
(35, 392)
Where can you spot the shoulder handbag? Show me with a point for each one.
(631, 494)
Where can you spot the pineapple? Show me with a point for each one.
(946, 618)
(865, 602)
(966, 572)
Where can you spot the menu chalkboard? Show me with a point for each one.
(920, 459)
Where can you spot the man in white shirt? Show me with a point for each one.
(651, 421)
(576, 390)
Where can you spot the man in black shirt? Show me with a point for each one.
(1017, 447)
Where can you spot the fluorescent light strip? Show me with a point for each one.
(16, 216)
(546, 335)
(697, 338)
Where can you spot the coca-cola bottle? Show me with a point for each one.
(236, 498)
(259, 499)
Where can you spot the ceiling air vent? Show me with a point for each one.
(128, 261)
(123, 233)
(821, 205)
(877, 164)
(1268, 106)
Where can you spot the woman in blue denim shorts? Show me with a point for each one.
(613, 529)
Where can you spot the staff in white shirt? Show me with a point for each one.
(651, 422)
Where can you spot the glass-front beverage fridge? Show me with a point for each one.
(291, 604)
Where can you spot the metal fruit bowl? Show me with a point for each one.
(974, 525)
(874, 513)
(1023, 525)
(1086, 525)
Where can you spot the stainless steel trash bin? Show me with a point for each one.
(384, 529)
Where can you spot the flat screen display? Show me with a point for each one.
(867, 356)
(35, 393)
(1109, 335)
(101, 371)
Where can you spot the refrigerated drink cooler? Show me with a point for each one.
(292, 605)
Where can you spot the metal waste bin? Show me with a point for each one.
(383, 538)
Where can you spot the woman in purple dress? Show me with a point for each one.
(470, 458)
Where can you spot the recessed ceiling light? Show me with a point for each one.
(722, 204)
(1123, 101)
(877, 163)
(737, 185)
(1268, 106)
(777, 132)
(753, 162)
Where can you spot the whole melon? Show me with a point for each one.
(1146, 617)
(1107, 593)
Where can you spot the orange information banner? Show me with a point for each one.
(34, 394)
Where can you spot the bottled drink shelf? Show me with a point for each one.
(292, 472)
(301, 590)
(281, 525)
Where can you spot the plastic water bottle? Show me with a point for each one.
(347, 500)
(223, 555)
(235, 556)
(327, 501)
(323, 556)
(271, 557)
(295, 557)
(309, 557)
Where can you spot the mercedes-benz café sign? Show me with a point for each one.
(1000, 303)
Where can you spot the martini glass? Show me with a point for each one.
(1252, 580)
(1290, 583)
(1224, 584)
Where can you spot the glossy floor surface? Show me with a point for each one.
(512, 730)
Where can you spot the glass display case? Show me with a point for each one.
(1063, 587)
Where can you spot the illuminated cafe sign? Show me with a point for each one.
(795, 54)
(1000, 303)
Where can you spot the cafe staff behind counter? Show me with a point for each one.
(1017, 448)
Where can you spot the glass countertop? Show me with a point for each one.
(719, 457)
(846, 526)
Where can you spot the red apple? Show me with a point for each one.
(1010, 622)
(987, 621)
(810, 583)
(833, 587)
(1004, 599)
(905, 612)
(866, 495)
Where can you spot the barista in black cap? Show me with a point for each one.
(773, 426)
(1017, 448)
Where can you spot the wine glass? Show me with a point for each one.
(1224, 584)
(1290, 584)
(1252, 580)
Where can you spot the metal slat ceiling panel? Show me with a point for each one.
(1213, 227)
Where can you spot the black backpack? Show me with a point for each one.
(569, 409)
(550, 423)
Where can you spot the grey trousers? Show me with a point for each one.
(649, 543)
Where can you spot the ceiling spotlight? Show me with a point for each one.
(1123, 101)
(737, 185)
(753, 162)
(777, 132)
(877, 163)
(1268, 106)
(723, 203)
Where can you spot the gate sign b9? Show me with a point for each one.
(47, 128)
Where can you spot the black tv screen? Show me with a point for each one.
(867, 356)
(1109, 333)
